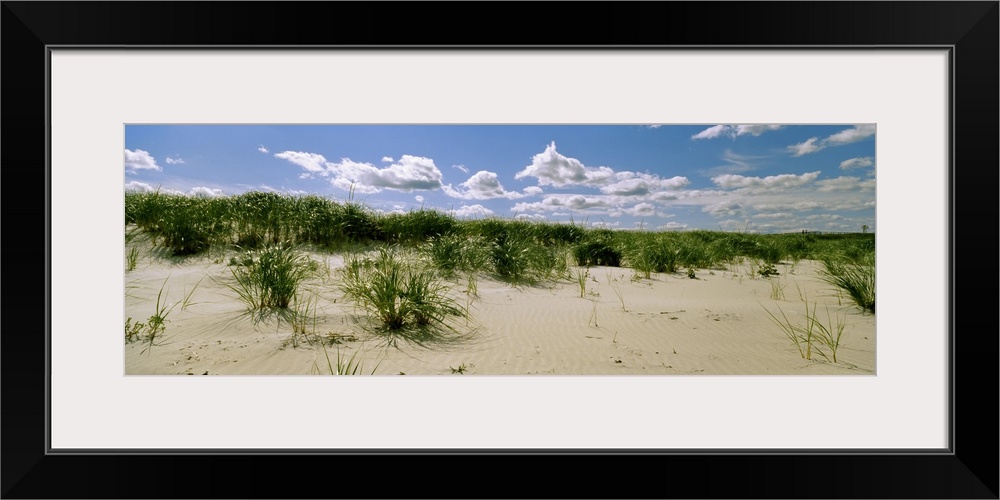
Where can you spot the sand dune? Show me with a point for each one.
(668, 324)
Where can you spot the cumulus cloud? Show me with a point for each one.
(481, 186)
(387, 159)
(312, 163)
(140, 187)
(605, 225)
(776, 215)
(734, 131)
(174, 161)
(724, 209)
(472, 211)
(536, 217)
(847, 136)
(673, 225)
(532, 191)
(860, 162)
(640, 184)
(553, 203)
(783, 181)
(205, 192)
(140, 160)
(408, 174)
(262, 149)
(642, 210)
(554, 169)
(420, 199)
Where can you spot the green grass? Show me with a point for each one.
(581, 281)
(812, 332)
(801, 337)
(830, 334)
(131, 258)
(156, 325)
(399, 295)
(268, 279)
(777, 289)
(347, 366)
(857, 279)
(515, 251)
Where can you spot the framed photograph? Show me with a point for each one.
(763, 144)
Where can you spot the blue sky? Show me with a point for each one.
(758, 178)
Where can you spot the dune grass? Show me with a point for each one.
(398, 294)
(347, 366)
(151, 331)
(131, 258)
(268, 279)
(856, 278)
(806, 336)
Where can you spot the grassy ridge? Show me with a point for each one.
(516, 251)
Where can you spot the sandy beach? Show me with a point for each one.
(715, 324)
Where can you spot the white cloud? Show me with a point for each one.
(262, 149)
(408, 174)
(387, 159)
(642, 210)
(472, 211)
(673, 225)
(640, 184)
(532, 191)
(420, 199)
(783, 181)
(839, 184)
(846, 136)
(137, 186)
(481, 186)
(754, 130)
(554, 169)
(172, 161)
(804, 148)
(140, 160)
(861, 162)
(726, 208)
(462, 168)
(711, 132)
(537, 217)
(605, 225)
(776, 215)
(573, 202)
(734, 131)
(850, 135)
(311, 162)
(205, 192)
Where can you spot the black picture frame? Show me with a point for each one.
(968, 470)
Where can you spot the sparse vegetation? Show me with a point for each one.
(857, 278)
(804, 337)
(405, 286)
(346, 366)
(268, 279)
(131, 258)
(398, 294)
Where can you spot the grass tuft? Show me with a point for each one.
(268, 279)
(855, 278)
(398, 294)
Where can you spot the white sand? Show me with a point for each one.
(669, 325)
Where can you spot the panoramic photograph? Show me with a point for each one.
(461, 250)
